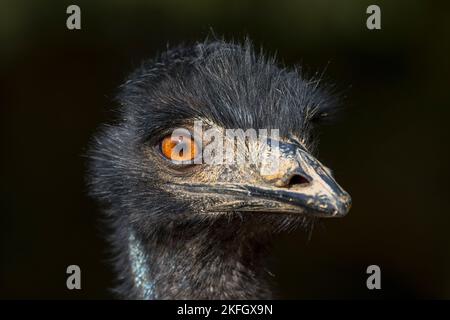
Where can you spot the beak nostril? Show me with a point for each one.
(298, 180)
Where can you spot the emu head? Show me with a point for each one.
(156, 164)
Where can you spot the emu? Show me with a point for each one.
(180, 230)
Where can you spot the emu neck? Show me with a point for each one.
(217, 261)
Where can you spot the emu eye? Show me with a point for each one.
(179, 148)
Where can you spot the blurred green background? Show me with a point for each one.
(389, 150)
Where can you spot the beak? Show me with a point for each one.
(299, 185)
(302, 181)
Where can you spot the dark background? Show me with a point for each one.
(389, 150)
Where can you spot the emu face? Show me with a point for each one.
(245, 173)
(138, 167)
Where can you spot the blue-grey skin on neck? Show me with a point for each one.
(140, 269)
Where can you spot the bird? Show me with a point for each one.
(179, 229)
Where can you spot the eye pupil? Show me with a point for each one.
(181, 148)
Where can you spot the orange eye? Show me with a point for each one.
(179, 148)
